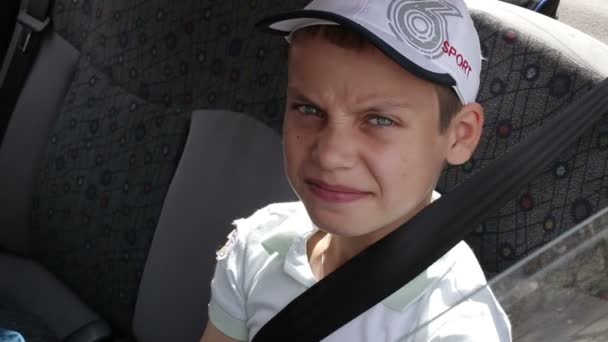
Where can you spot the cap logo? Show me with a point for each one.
(422, 23)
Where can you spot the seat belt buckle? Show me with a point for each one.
(31, 24)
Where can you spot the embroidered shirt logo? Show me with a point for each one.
(223, 252)
(422, 23)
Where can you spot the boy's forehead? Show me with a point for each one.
(319, 48)
(364, 97)
(367, 74)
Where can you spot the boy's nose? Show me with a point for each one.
(335, 148)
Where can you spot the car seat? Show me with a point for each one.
(102, 162)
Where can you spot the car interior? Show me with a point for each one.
(140, 130)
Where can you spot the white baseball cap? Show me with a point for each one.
(433, 39)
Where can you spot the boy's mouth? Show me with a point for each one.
(334, 192)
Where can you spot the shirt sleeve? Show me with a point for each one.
(475, 321)
(227, 309)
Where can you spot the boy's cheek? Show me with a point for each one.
(294, 150)
(296, 135)
(292, 140)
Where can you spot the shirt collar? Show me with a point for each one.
(296, 225)
(289, 239)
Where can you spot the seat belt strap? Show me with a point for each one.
(395, 260)
(33, 18)
(26, 25)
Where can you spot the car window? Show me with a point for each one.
(559, 293)
(589, 16)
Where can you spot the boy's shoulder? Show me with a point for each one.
(277, 223)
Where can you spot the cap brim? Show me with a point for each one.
(285, 23)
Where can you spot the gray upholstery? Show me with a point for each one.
(27, 287)
(22, 149)
(231, 166)
(548, 33)
(186, 54)
(116, 142)
(108, 165)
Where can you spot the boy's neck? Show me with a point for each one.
(335, 250)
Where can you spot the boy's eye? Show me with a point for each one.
(381, 121)
(308, 110)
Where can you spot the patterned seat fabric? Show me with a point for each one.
(190, 54)
(110, 160)
(523, 84)
(146, 65)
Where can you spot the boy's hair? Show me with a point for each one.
(449, 103)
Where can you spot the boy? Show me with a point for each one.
(10, 336)
(381, 94)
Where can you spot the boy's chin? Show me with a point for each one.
(342, 224)
(356, 221)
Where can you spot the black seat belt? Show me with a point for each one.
(392, 262)
(8, 12)
(33, 18)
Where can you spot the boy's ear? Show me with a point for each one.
(464, 133)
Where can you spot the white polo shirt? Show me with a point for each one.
(264, 266)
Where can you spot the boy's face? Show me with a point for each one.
(363, 149)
